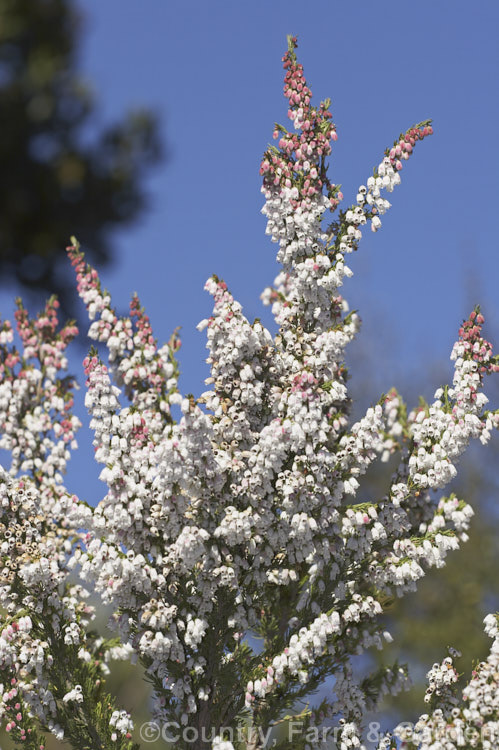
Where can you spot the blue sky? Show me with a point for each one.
(212, 71)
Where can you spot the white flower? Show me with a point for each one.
(76, 695)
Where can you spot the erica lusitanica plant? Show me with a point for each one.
(240, 570)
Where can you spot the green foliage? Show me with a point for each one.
(450, 603)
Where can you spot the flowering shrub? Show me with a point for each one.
(240, 569)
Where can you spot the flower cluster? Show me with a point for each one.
(239, 523)
(51, 670)
(455, 721)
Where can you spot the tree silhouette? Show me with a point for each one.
(55, 179)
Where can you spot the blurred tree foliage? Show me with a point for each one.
(59, 177)
(450, 603)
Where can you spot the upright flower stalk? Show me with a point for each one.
(240, 568)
